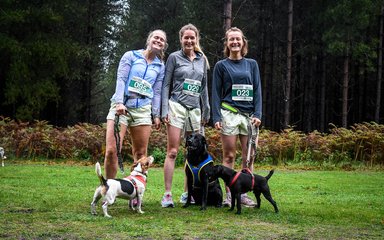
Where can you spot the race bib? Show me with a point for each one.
(140, 86)
(242, 92)
(192, 87)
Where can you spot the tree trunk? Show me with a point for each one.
(379, 68)
(289, 66)
(227, 14)
(88, 63)
(344, 111)
(322, 94)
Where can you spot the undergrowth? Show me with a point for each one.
(361, 144)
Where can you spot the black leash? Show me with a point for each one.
(189, 117)
(117, 138)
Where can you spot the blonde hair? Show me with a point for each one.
(161, 55)
(244, 49)
(197, 47)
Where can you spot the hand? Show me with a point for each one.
(120, 109)
(218, 125)
(255, 121)
(166, 119)
(157, 123)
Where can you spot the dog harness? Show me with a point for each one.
(196, 170)
(247, 170)
(134, 178)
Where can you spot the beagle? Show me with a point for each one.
(131, 187)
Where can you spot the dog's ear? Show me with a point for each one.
(151, 159)
(134, 165)
(138, 167)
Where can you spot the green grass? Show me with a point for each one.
(42, 201)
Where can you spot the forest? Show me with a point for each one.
(320, 60)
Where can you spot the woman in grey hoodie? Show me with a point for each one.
(184, 87)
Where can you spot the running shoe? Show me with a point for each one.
(167, 201)
(184, 197)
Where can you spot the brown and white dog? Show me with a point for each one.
(131, 187)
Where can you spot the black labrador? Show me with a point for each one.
(204, 190)
(242, 182)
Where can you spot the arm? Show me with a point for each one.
(169, 68)
(204, 97)
(257, 96)
(217, 84)
(157, 87)
(122, 79)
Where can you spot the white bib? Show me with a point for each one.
(140, 86)
(192, 87)
(242, 92)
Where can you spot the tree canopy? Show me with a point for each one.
(58, 58)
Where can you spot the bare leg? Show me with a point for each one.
(110, 161)
(173, 135)
(140, 138)
(229, 151)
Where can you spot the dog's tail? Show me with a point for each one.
(103, 181)
(270, 174)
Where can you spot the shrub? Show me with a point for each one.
(361, 143)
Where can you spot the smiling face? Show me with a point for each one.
(156, 41)
(235, 42)
(188, 40)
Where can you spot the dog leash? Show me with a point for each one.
(253, 133)
(117, 138)
(188, 116)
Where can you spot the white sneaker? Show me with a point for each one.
(167, 201)
(184, 197)
(247, 201)
(227, 200)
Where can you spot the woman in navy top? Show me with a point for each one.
(236, 100)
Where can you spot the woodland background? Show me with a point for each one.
(320, 60)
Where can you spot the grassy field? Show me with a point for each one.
(43, 201)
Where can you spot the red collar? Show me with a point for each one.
(238, 174)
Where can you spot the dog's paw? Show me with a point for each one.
(186, 205)
(107, 216)
(203, 208)
(139, 211)
(238, 212)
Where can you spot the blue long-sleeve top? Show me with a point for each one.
(133, 64)
(228, 72)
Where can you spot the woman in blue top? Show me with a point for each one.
(137, 99)
(236, 100)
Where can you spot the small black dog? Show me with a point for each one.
(242, 182)
(199, 162)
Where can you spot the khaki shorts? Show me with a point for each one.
(137, 116)
(178, 116)
(234, 123)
